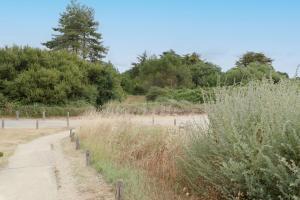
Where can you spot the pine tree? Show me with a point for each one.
(77, 33)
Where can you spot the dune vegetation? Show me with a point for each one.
(249, 149)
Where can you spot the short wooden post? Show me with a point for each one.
(17, 115)
(37, 124)
(152, 120)
(68, 119)
(71, 132)
(3, 123)
(44, 115)
(175, 122)
(120, 190)
(77, 144)
(87, 158)
(72, 136)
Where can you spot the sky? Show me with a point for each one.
(219, 30)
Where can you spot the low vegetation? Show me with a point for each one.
(251, 148)
(167, 106)
(195, 96)
(143, 156)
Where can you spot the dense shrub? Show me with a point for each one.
(251, 148)
(253, 71)
(170, 70)
(155, 92)
(29, 75)
(3, 101)
(197, 95)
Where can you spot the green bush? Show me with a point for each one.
(29, 75)
(251, 148)
(197, 95)
(155, 92)
(3, 101)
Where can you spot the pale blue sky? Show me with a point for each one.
(219, 30)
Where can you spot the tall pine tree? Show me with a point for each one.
(77, 33)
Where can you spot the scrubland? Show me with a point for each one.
(249, 149)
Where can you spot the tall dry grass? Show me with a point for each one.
(144, 156)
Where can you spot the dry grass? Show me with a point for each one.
(144, 156)
(10, 138)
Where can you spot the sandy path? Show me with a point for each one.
(38, 172)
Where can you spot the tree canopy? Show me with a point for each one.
(170, 70)
(77, 33)
(251, 57)
(29, 75)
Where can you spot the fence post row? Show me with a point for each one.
(120, 190)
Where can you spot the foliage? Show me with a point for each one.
(29, 76)
(155, 92)
(251, 57)
(253, 71)
(167, 106)
(3, 101)
(169, 70)
(251, 147)
(78, 33)
(197, 95)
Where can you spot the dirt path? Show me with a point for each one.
(39, 170)
(48, 168)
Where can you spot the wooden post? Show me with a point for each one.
(17, 115)
(87, 158)
(175, 122)
(71, 132)
(120, 190)
(44, 115)
(37, 124)
(3, 123)
(152, 120)
(72, 136)
(68, 119)
(77, 144)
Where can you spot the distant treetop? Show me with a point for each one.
(251, 57)
(77, 33)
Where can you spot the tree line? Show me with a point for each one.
(71, 68)
(171, 70)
